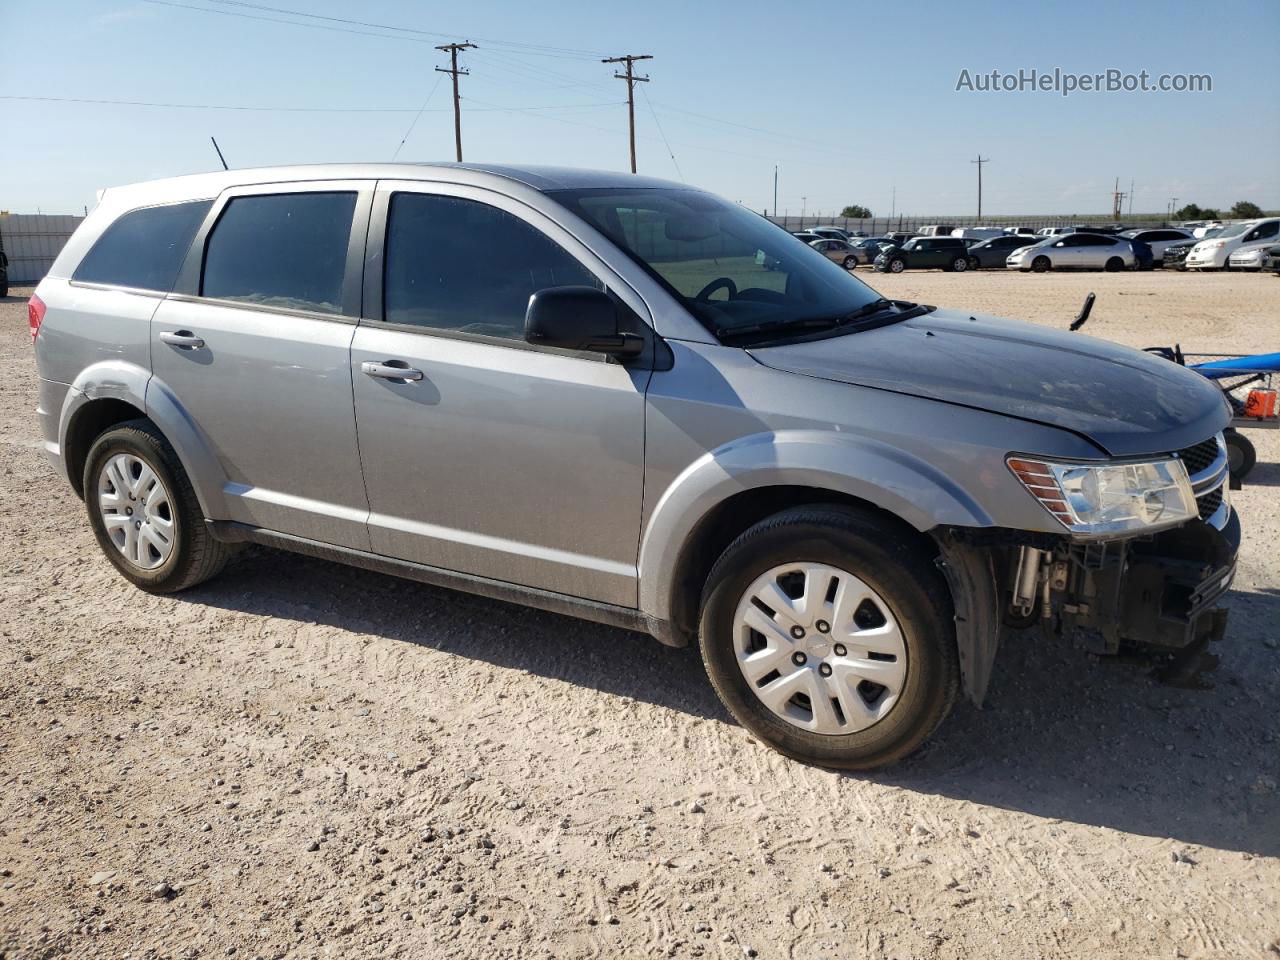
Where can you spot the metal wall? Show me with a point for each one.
(32, 242)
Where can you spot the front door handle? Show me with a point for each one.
(181, 338)
(390, 370)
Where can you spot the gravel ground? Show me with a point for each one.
(304, 760)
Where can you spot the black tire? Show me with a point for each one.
(896, 265)
(904, 575)
(1241, 454)
(850, 263)
(1040, 265)
(196, 555)
(975, 263)
(1114, 265)
(4, 289)
(959, 264)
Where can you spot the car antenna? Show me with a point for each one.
(1078, 322)
(220, 156)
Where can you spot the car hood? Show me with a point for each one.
(1126, 401)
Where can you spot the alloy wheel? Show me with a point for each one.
(136, 511)
(820, 648)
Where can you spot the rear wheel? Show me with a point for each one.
(850, 262)
(144, 511)
(830, 638)
(1114, 265)
(1040, 265)
(959, 265)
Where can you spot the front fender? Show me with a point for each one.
(868, 469)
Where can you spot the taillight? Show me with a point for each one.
(35, 315)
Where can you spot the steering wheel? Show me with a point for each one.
(706, 292)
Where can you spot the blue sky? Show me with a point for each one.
(850, 100)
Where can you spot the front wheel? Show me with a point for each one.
(850, 262)
(829, 636)
(1114, 265)
(959, 265)
(144, 511)
(1241, 455)
(1040, 265)
(897, 266)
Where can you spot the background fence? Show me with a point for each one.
(877, 226)
(32, 242)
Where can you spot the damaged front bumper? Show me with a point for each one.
(1153, 597)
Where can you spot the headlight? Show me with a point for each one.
(1110, 498)
(1213, 244)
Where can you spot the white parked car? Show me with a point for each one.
(1249, 257)
(1074, 251)
(1200, 231)
(1051, 231)
(1215, 254)
(830, 233)
(1158, 239)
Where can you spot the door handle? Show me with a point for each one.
(181, 338)
(390, 370)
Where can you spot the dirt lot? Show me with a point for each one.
(304, 760)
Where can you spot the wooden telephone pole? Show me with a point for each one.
(452, 49)
(632, 79)
(980, 161)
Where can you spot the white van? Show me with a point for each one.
(1214, 254)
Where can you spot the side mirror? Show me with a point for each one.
(1061, 243)
(578, 318)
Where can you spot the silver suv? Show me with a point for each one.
(634, 402)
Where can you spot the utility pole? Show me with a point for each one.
(775, 189)
(1117, 201)
(803, 202)
(893, 204)
(452, 49)
(1130, 198)
(980, 161)
(632, 79)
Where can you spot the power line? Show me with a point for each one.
(662, 134)
(263, 109)
(452, 49)
(417, 116)
(632, 79)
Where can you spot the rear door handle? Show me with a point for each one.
(390, 370)
(181, 338)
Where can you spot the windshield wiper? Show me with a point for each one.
(773, 326)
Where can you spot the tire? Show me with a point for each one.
(975, 263)
(959, 264)
(850, 263)
(1114, 265)
(904, 582)
(1241, 454)
(1040, 265)
(896, 266)
(4, 289)
(193, 555)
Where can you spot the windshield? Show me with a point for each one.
(1232, 231)
(730, 267)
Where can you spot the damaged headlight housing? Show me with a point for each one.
(1094, 499)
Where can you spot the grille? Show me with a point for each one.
(1200, 457)
(1209, 502)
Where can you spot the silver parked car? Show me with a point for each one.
(654, 410)
(1074, 251)
(842, 252)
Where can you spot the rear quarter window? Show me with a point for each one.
(143, 249)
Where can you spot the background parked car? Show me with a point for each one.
(899, 237)
(1074, 251)
(1271, 260)
(1175, 254)
(936, 230)
(1159, 239)
(1021, 231)
(977, 233)
(1143, 258)
(806, 236)
(839, 251)
(1249, 257)
(1214, 254)
(1052, 231)
(925, 253)
(831, 233)
(868, 248)
(986, 254)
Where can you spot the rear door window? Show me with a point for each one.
(286, 250)
(143, 249)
